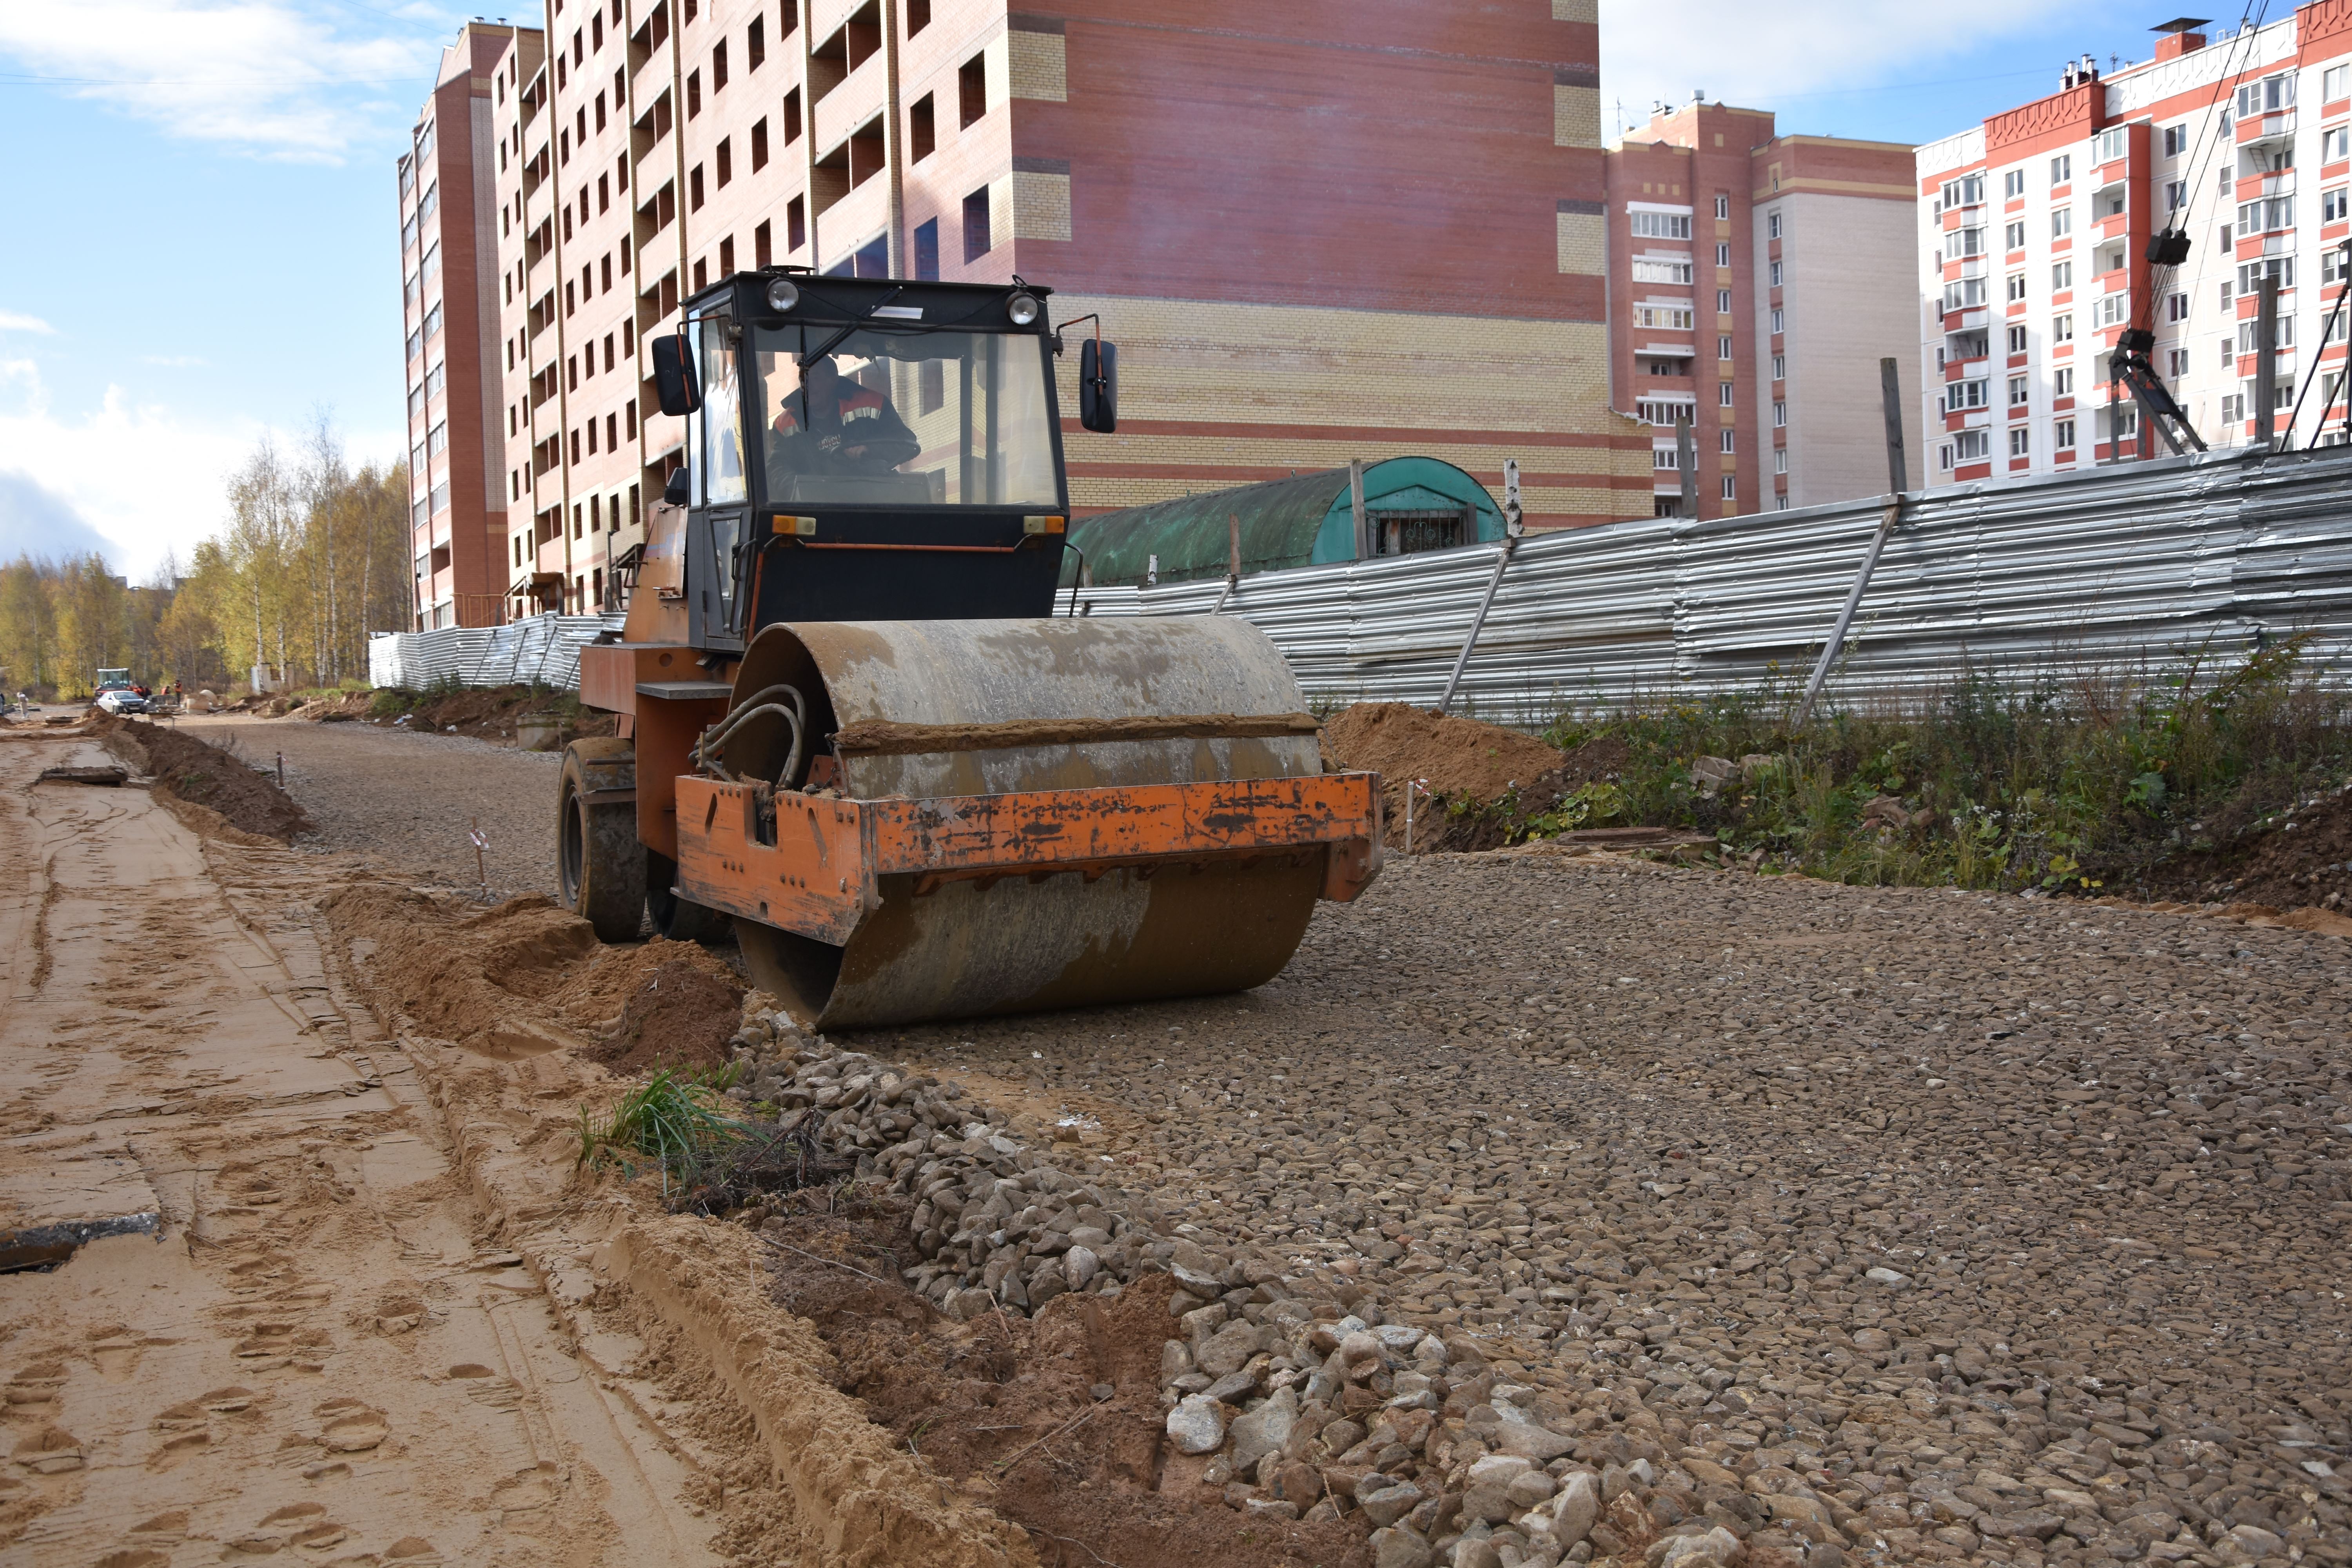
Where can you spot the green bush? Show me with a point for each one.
(390, 703)
(2062, 781)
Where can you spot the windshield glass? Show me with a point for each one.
(900, 418)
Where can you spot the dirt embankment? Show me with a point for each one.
(189, 772)
(487, 713)
(1465, 765)
(2302, 857)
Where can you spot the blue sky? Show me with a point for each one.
(204, 245)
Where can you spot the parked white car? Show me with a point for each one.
(121, 700)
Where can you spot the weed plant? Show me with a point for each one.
(677, 1121)
(2070, 778)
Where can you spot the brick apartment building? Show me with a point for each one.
(1756, 280)
(1318, 234)
(450, 318)
(2033, 238)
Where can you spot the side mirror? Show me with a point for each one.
(1098, 386)
(677, 490)
(674, 376)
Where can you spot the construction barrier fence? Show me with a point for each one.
(2136, 566)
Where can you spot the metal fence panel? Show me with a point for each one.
(2117, 567)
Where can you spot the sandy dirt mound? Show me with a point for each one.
(487, 712)
(1453, 756)
(1056, 1421)
(470, 980)
(2307, 863)
(1599, 760)
(204, 775)
(595, 998)
(682, 1016)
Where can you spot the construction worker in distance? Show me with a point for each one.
(834, 425)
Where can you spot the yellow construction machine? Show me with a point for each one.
(851, 721)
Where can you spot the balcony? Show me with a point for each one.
(2277, 125)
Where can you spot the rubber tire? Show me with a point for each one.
(677, 918)
(599, 863)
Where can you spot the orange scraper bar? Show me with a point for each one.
(818, 877)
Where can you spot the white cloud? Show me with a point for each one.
(250, 73)
(16, 321)
(1738, 57)
(144, 477)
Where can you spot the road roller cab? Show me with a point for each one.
(850, 722)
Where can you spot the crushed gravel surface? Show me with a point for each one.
(406, 804)
(1917, 1225)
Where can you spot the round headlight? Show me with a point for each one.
(783, 294)
(1023, 309)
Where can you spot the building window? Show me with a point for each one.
(694, 189)
(1723, 252)
(1730, 487)
(1723, 396)
(2332, 205)
(2021, 441)
(922, 129)
(1662, 270)
(2265, 97)
(1658, 226)
(1944, 458)
(2012, 237)
(1650, 411)
(1972, 446)
(1668, 318)
(2246, 330)
(2062, 277)
(927, 254)
(759, 144)
(718, 67)
(1780, 416)
(2267, 216)
(1964, 192)
(2061, 435)
(919, 15)
(795, 223)
(1779, 323)
(2062, 381)
(1963, 394)
(2251, 274)
(2176, 195)
(2061, 329)
(1780, 367)
(2334, 83)
(2175, 139)
(2062, 223)
(1969, 241)
(727, 257)
(1722, 348)
(726, 156)
(1723, 302)
(2175, 362)
(1772, 224)
(2016, 340)
(1722, 206)
(2018, 395)
(792, 117)
(972, 90)
(2012, 185)
(2016, 287)
(2109, 145)
(693, 94)
(2062, 170)
(1665, 457)
(976, 240)
(2233, 407)
(1780, 460)
(1776, 275)
(1729, 440)
(2336, 144)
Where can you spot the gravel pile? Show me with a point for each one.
(1812, 1224)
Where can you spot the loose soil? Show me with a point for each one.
(596, 997)
(1056, 1421)
(1600, 760)
(487, 712)
(1451, 756)
(2309, 863)
(682, 1016)
(203, 774)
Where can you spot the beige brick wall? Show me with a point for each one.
(1575, 116)
(1583, 244)
(1041, 202)
(1576, 10)
(1038, 65)
(1313, 388)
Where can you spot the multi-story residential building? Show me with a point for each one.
(2034, 232)
(1199, 183)
(449, 269)
(1756, 282)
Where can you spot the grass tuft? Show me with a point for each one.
(678, 1121)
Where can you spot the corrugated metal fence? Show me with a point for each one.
(545, 648)
(2119, 567)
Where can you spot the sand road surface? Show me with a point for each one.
(297, 1342)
